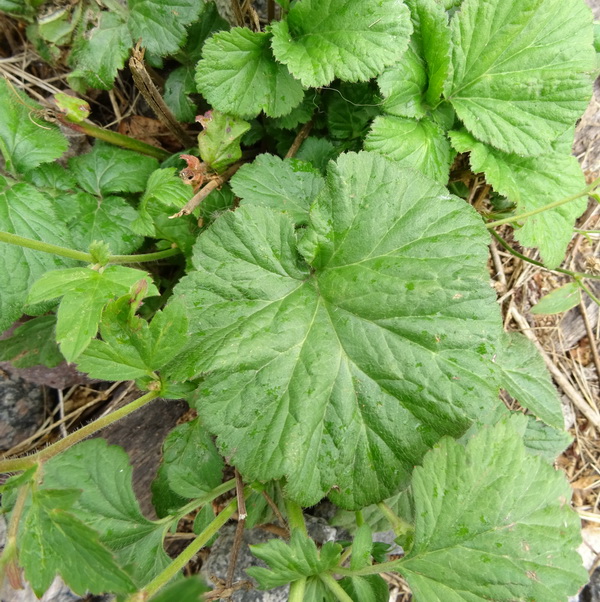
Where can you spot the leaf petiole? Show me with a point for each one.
(334, 587)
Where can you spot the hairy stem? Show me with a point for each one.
(516, 218)
(295, 516)
(297, 589)
(375, 569)
(15, 464)
(179, 563)
(334, 587)
(204, 499)
(117, 139)
(45, 247)
(399, 525)
(576, 275)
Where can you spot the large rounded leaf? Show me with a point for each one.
(340, 369)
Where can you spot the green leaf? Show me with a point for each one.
(32, 344)
(318, 151)
(372, 588)
(350, 109)
(97, 57)
(191, 463)
(179, 86)
(403, 85)
(26, 140)
(362, 546)
(51, 176)
(130, 347)
(52, 541)
(300, 114)
(287, 185)
(107, 169)
(532, 183)
(19, 8)
(519, 81)
(395, 304)
(219, 143)
(492, 523)
(432, 38)
(353, 41)
(84, 293)
(108, 505)
(545, 441)
(527, 379)
(161, 23)
(186, 590)
(209, 22)
(238, 75)
(559, 300)
(26, 212)
(419, 144)
(109, 219)
(291, 561)
(75, 109)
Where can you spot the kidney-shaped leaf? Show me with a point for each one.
(342, 373)
(492, 523)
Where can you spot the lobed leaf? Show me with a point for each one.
(353, 41)
(238, 75)
(521, 70)
(474, 544)
(345, 370)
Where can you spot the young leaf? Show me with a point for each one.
(545, 441)
(26, 212)
(108, 505)
(492, 523)
(32, 344)
(527, 379)
(291, 561)
(318, 152)
(178, 88)
(209, 22)
(419, 144)
(220, 141)
(191, 463)
(350, 109)
(559, 300)
(97, 58)
(130, 347)
(107, 169)
(362, 546)
(109, 219)
(432, 38)
(354, 41)
(186, 590)
(26, 140)
(52, 541)
(372, 588)
(238, 75)
(286, 185)
(84, 293)
(395, 304)
(518, 80)
(403, 85)
(161, 23)
(532, 183)
(51, 176)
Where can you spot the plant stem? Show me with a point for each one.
(15, 464)
(334, 587)
(399, 525)
(295, 516)
(375, 569)
(588, 292)
(576, 275)
(179, 563)
(204, 499)
(297, 589)
(516, 218)
(117, 139)
(45, 247)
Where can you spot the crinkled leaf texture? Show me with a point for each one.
(532, 183)
(26, 141)
(238, 75)
(521, 70)
(353, 41)
(108, 505)
(33, 343)
(339, 369)
(419, 144)
(288, 185)
(26, 212)
(492, 523)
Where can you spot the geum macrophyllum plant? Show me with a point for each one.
(334, 328)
